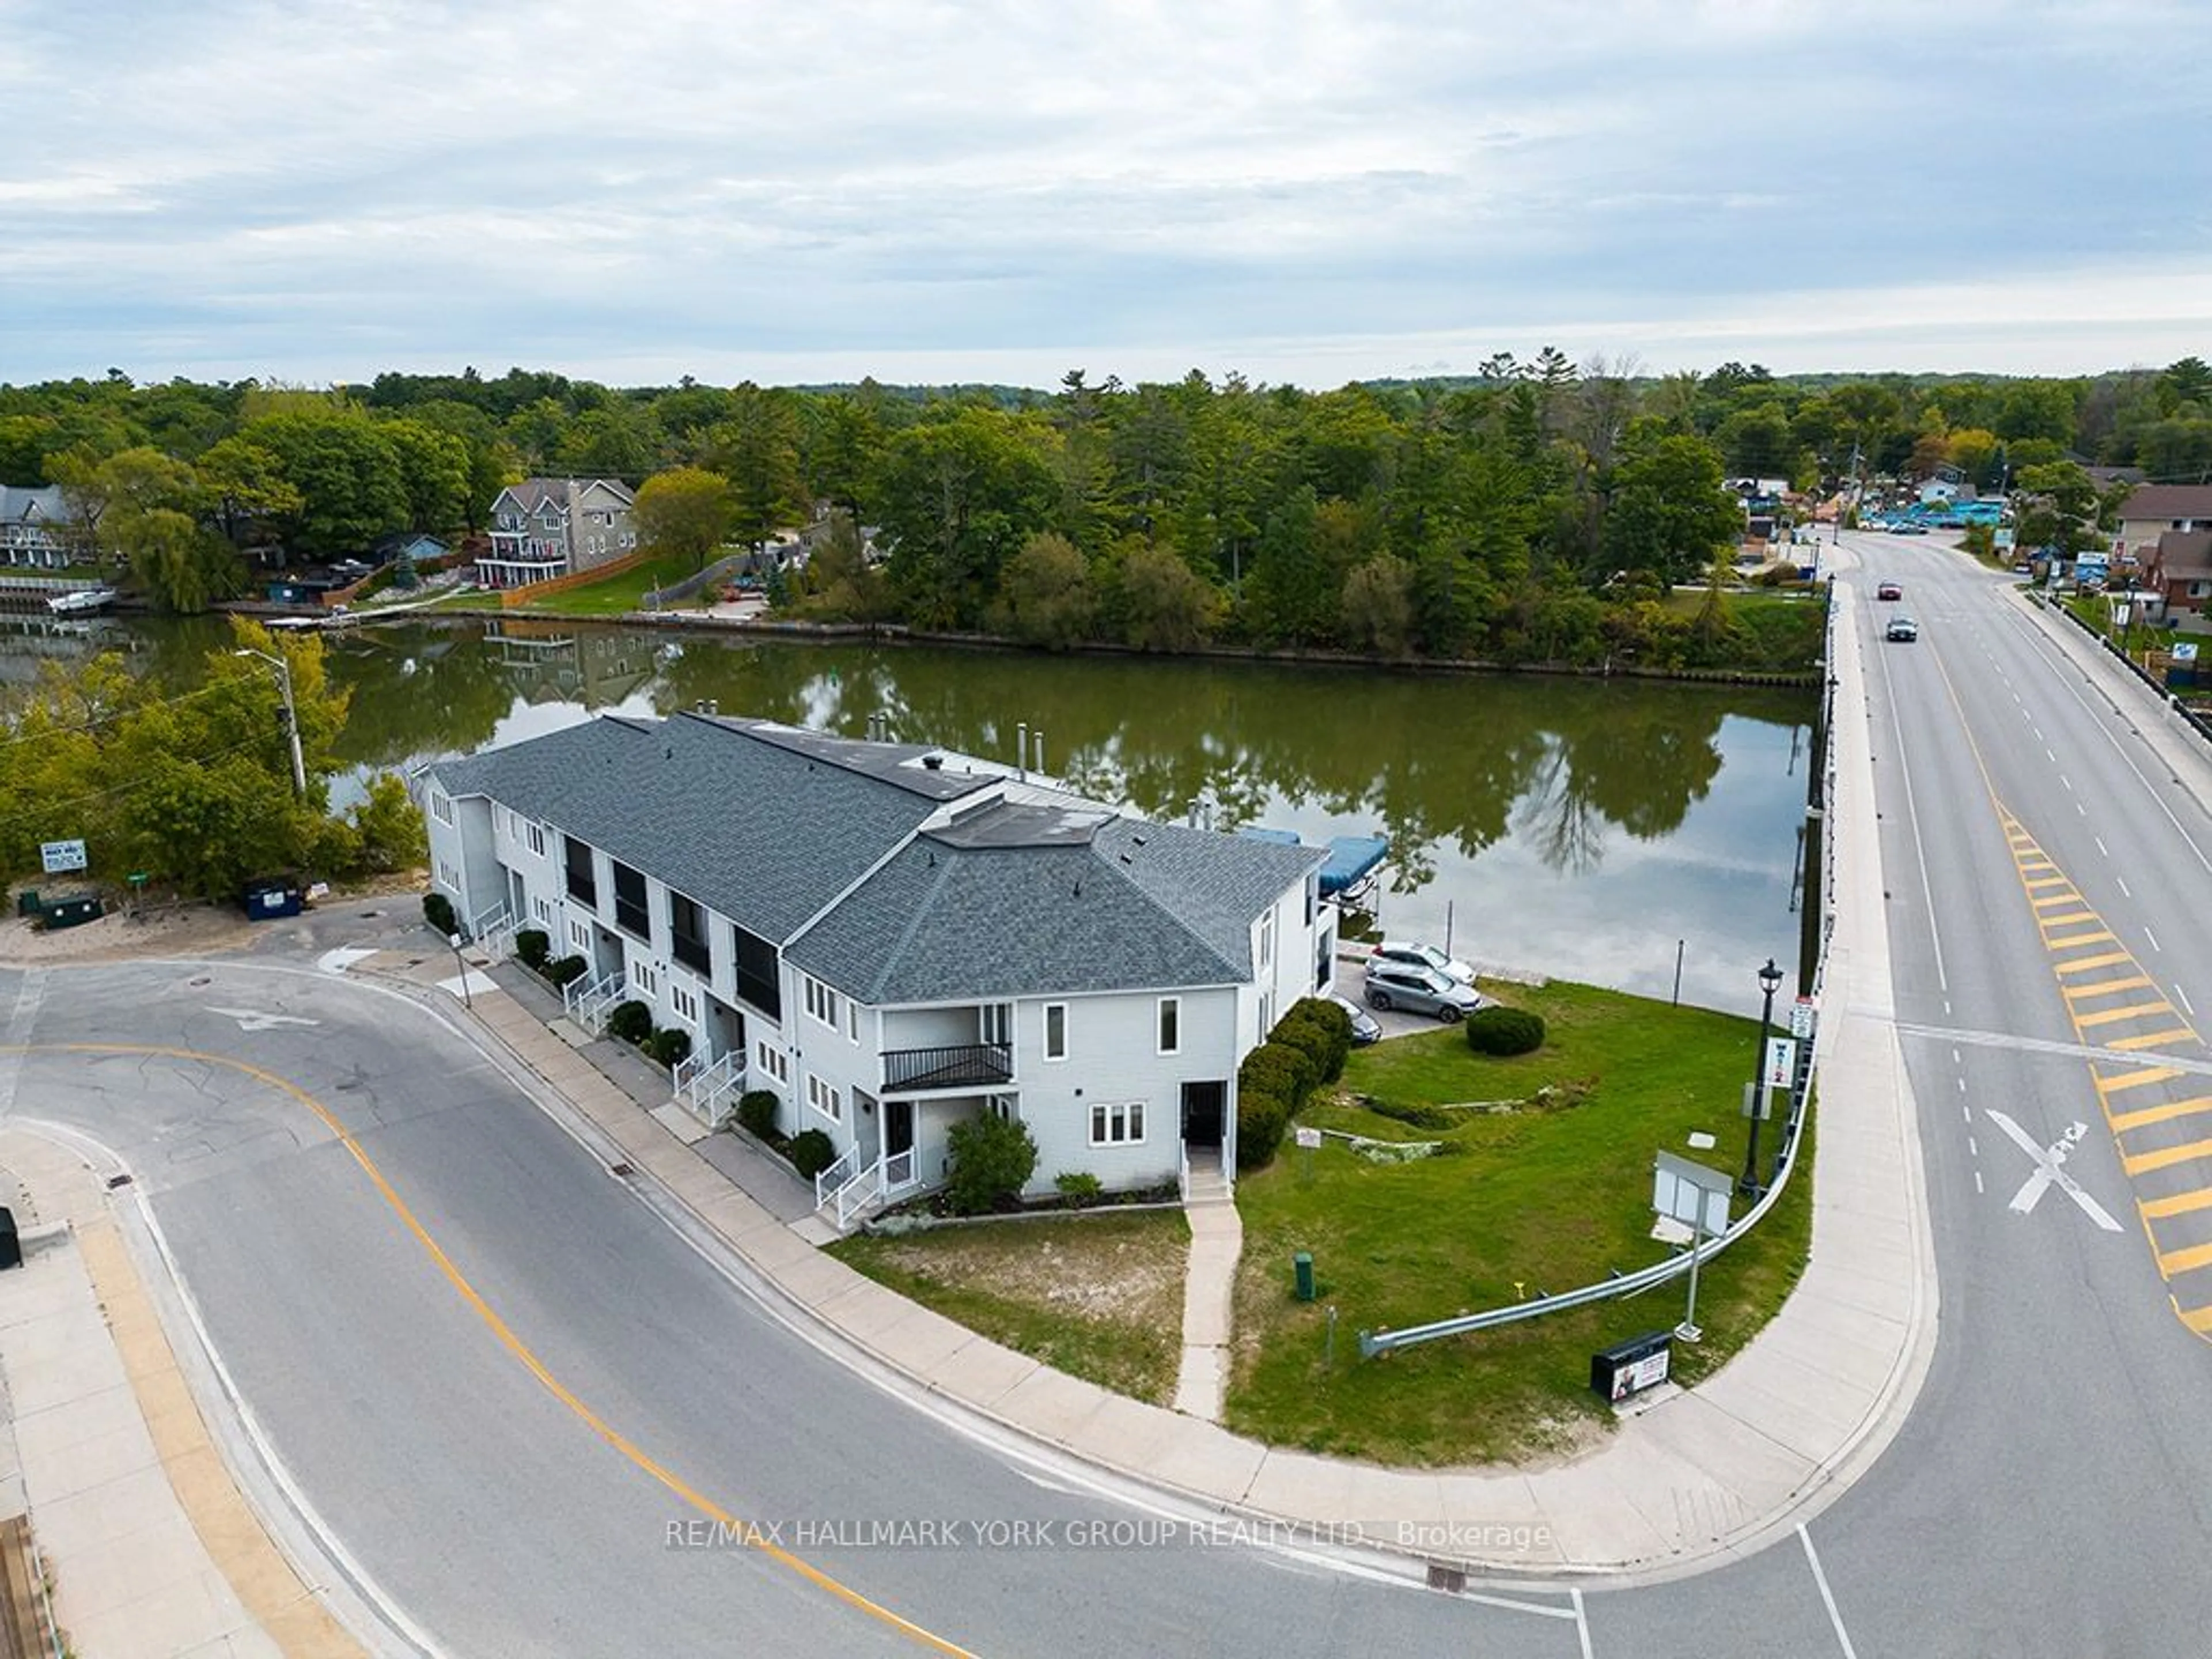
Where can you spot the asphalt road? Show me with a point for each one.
(504, 1448)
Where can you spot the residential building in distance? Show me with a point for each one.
(2179, 575)
(2151, 510)
(890, 938)
(38, 531)
(542, 528)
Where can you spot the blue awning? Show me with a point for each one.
(1352, 861)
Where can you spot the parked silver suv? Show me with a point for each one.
(1418, 990)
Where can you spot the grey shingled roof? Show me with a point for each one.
(758, 822)
(17, 502)
(982, 915)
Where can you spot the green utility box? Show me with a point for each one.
(1302, 1264)
(27, 902)
(70, 912)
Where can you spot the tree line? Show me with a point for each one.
(1535, 508)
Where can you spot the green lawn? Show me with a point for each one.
(1099, 1297)
(1544, 1197)
(618, 594)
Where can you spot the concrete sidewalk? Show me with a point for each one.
(152, 1550)
(1781, 1429)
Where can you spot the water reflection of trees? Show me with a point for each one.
(1433, 761)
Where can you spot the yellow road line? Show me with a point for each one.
(2147, 1116)
(2155, 1039)
(2197, 1319)
(2037, 883)
(2055, 898)
(2149, 1074)
(2133, 1011)
(2073, 940)
(2082, 965)
(2167, 1157)
(756, 1537)
(2158, 1209)
(2188, 1260)
(2067, 921)
(2129, 983)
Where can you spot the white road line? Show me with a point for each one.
(2082, 810)
(1967, 1112)
(1977, 1181)
(2068, 781)
(2187, 1006)
(2124, 888)
(1919, 851)
(1582, 1624)
(1827, 1597)
(2152, 938)
(2049, 755)
(1974, 1150)
(2100, 840)
(1962, 1084)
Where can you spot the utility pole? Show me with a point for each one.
(291, 713)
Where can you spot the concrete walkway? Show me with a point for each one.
(151, 1549)
(1715, 1470)
(1217, 1240)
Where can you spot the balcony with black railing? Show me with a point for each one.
(968, 1066)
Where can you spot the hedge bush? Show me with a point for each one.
(532, 947)
(1262, 1117)
(631, 1021)
(1322, 1030)
(810, 1152)
(672, 1047)
(566, 970)
(1498, 1029)
(438, 911)
(993, 1159)
(1077, 1187)
(1281, 1070)
(756, 1111)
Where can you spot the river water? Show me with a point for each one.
(1579, 828)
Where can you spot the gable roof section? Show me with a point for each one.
(21, 505)
(1027, 901)
(2184, 555)
(761, 823)
(2166, 502)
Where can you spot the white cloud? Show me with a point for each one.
(1314, 192)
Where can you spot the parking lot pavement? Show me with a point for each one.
(1352, 984)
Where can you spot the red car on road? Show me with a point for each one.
(1889, 591)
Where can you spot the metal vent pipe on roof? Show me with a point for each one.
(1022, 749)
(1037, 737)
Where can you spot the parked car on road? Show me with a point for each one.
(1889, 591)
(1902, 629)
(1418, 990)
(1424, 955)
(1365, 1028)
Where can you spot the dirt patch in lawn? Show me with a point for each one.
(1098, 1297)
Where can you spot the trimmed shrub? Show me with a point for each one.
(672, 1047)
(810, 1152)
(1278, 1069)
(631, 1021)
(993, 1159)
(565, 970)
(438, 911)
(533, 948)
(1262, 1117)
(1320, 1030)
(1500, 1030)
(1077, 1187)
(756, 1112)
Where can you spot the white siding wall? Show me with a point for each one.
(1113, 1057)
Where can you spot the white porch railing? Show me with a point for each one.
(493, 932)
(856, 1195)
(704, 1084)
(837, 1175)
(1183, 1172)
(587, 1004)
(898, 1171)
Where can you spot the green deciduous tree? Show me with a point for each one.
(1670, 511)
(683, 513)
(1047, 588)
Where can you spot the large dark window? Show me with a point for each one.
(757, 982)
(631, 913)
(578, 859)
(687, 934)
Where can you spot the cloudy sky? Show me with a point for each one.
(942, 190)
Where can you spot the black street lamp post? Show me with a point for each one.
(1769, 982)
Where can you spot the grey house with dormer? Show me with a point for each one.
(890, 937)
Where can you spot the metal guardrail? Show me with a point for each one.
(1372, 1343)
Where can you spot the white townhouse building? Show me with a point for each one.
(546, 527)
(892, 937)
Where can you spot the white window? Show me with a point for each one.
(852, 1019)
(541, 912)
(580, 936)
(1170, 1025)
(1267, 940)
(534, 834)
(442, 808)
(821, 1000)
(1267, 1013)
(1117, 1126)
(773, 1063)
(644, 977)
(1055, 1031)
(995, 1023)
(823, 1099)
(1001, 1107)
(685, 1004)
